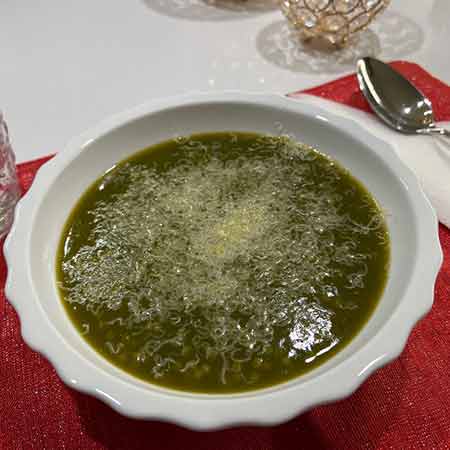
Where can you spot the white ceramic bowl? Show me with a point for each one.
(31, 250)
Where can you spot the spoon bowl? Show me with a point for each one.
(395, 100)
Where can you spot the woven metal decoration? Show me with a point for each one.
(332, 21)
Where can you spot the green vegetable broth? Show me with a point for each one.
(223, 262)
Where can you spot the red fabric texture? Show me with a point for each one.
(405, 405)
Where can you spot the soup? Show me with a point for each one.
(223, 262)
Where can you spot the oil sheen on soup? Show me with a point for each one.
(223, 262)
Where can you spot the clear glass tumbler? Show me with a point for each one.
(9, 183)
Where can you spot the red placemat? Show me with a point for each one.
(405, 405)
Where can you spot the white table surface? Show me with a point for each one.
(66, 65)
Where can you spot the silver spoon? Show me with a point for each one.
(395, 100)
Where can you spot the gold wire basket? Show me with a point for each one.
(331, 21)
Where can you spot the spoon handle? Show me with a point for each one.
(434, 130)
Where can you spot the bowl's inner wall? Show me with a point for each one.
(353, 148)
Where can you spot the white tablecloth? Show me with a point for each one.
(66, 65)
